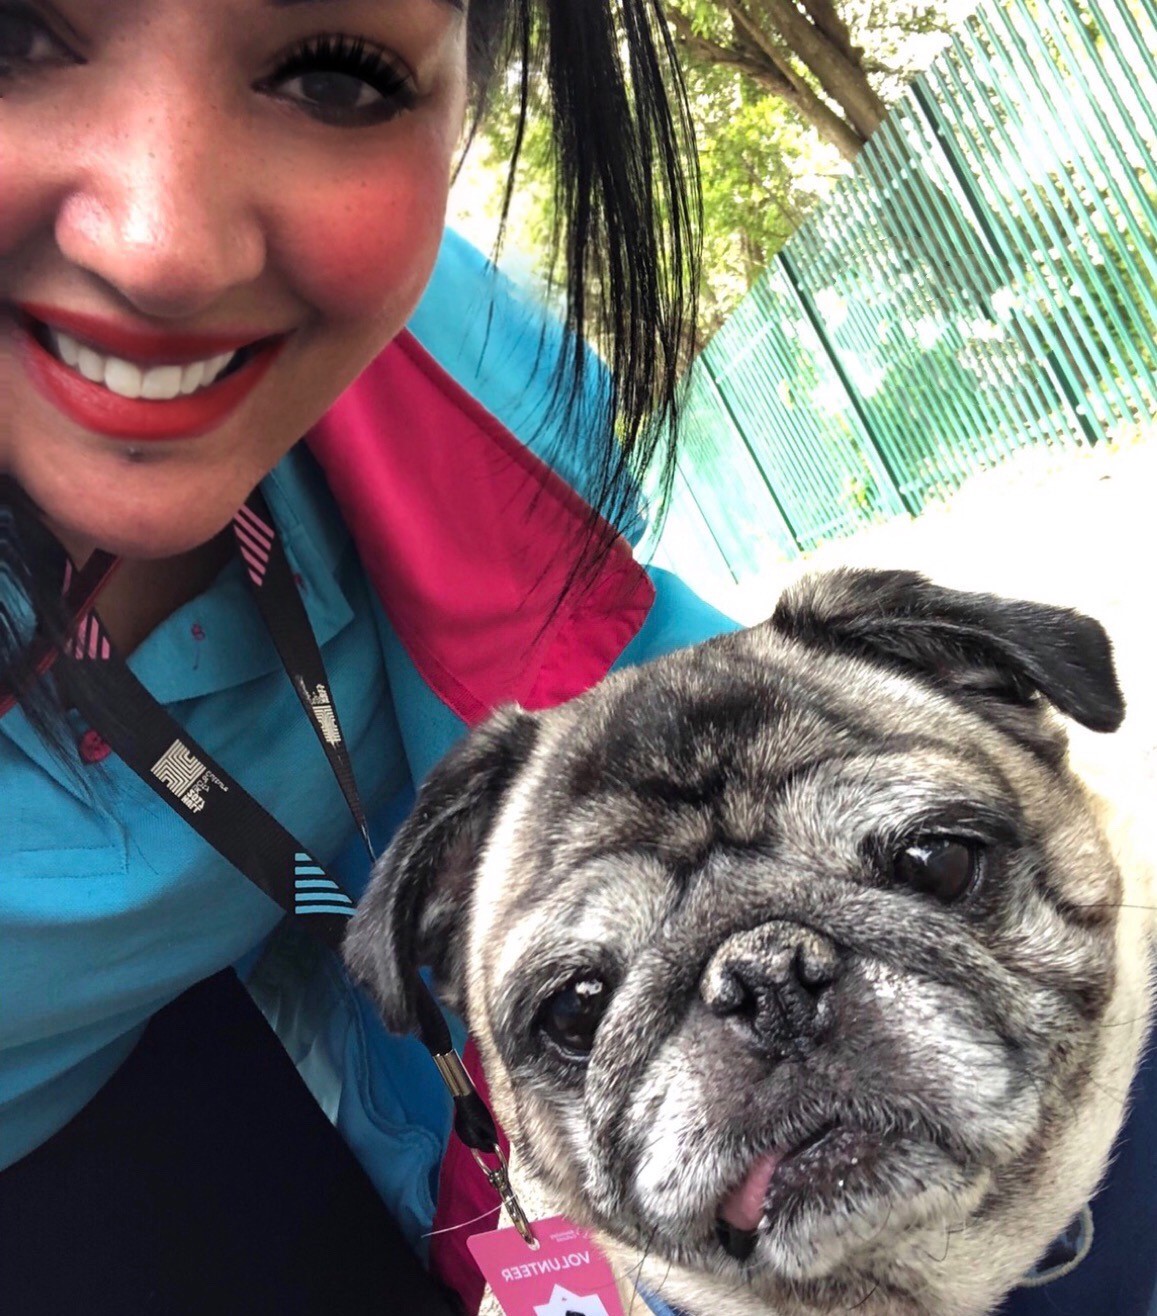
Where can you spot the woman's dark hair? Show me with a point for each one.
(626, 209)
(626, 231)
(30, 584)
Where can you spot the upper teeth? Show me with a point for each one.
(128, 380)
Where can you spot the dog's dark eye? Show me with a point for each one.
(571, 1017)
(939, 866)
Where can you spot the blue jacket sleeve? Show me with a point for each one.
(678, 618)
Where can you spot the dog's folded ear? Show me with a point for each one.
(976, 645)
(414, 911)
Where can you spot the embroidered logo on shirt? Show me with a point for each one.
(93, 747)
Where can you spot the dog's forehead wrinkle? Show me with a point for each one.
(693, 717)
(684, 815)
(1072, 961)
(841, 685)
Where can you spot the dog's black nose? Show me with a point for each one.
(774, 979)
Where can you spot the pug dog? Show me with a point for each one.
(802, 965)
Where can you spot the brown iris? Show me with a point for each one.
(571, 1017)
(940, 866)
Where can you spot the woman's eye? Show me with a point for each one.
(571, 1017)
(25, 42)
(343, 80)
(939, 866)
(332, 90)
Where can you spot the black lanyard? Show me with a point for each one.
(187, 777)
(80, 590)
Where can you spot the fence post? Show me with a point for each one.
(978, 208)
(910, 505)
(706, 520)
(739, 430)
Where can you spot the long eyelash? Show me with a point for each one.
(352, 55)
(13, 65)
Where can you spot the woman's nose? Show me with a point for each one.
(160, 210)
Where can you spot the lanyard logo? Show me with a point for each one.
(322, 707)
(178, 767)
(185, 775)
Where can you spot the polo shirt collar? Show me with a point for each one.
(218, 640)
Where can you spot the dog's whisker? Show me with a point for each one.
(939, 1260)
(1116, 1094)
(867, 1297)
(635, 1273)
(1123, 1023)
(463, 1224)
(1113, 904)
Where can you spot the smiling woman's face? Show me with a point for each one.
(213, 214)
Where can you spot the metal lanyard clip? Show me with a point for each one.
(476, 1129)
(499, 1179)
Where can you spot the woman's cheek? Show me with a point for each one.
(364, 247)
(29, 192)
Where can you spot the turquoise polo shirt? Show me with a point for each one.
(111, 905)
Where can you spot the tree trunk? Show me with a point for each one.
(796, 89)
(777, 46)
(824, 15)
(769, 65)
(837, 71)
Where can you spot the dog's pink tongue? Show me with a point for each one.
(743, 1205)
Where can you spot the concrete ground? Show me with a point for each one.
(1078, 529)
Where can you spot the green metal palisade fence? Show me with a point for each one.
(984, 280)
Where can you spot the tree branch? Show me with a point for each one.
(842, 133)
(706, 51)
(827, 20)
(841, 78)
(762, 53)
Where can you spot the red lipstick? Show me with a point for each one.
(105, 412)
(133, 344)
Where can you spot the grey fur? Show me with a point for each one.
(713, 835)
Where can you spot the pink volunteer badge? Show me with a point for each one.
(566, 1275)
